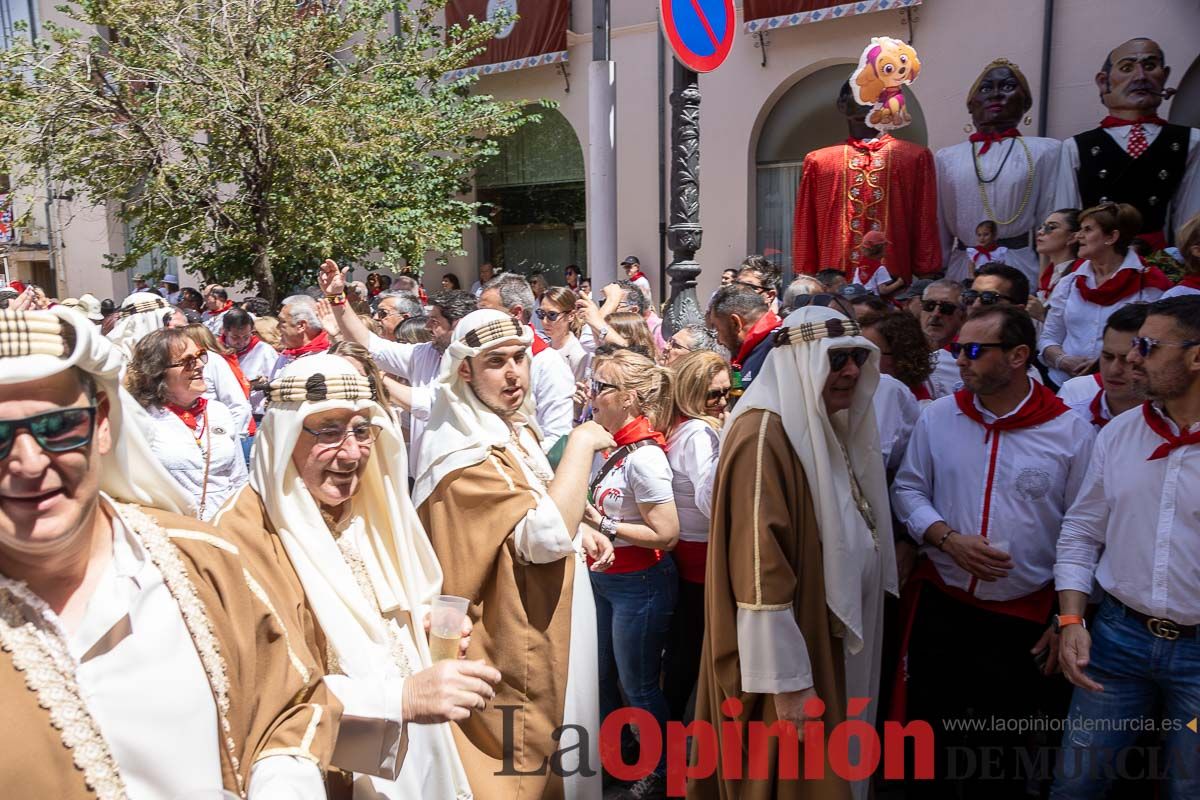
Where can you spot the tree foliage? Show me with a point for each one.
(254, 138)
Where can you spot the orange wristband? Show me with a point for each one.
(1069, 619)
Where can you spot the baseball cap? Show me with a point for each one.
(915, 289)
(853, 291)
(631, 260)
(90, 305)
(874, 239)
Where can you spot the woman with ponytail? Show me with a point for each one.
(631, 501)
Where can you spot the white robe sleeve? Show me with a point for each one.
(912, 490)
(540, 536)
(772, 654)
(286, 778)
(1084, 529)
(370, 733)
(1066, 189)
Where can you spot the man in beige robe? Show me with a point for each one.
(139, 657)
(800, 554)
(503, 526)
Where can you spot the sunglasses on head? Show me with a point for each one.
(56, 431)
(973, 349)
(548, 315)
(1145, 345)
(842, 356)
(946, 308)
(987, 298)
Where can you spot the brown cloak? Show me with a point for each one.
(773, 565)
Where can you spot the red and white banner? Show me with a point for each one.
(536, 37)
(766, 15)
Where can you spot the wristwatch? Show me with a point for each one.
(604, 333)
(1063, 620)
(608, 527)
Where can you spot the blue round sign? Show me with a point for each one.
(700, 32)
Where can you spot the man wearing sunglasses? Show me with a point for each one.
(800, 548)
(985, 483)
(141, 657)
(744, 324)
(393, 308)
(996, 284)
(1135, 530)
(942, 314)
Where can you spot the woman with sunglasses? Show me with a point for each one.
(194, 438)
(632, 502)
(557, 315)
(1112, 275)
(701, 390)
(1057, 244)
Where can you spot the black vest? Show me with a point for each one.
(1107, 174)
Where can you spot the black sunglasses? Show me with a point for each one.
(718, 394)
(56, 431)
(754, 286)
(973, 349)
(987, 298)
(842, 356)
(548, 315)
(947, 308)
(600, 386)
(1145, 345)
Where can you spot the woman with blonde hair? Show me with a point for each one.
(633, 329)
(633, 504)
(1189, 248)
(556, 311)
(702, 382)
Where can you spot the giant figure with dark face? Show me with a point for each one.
(997, 175)
(870, 182)
(1134, 156)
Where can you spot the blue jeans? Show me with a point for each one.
(633, 615)
(1144, 678)
(247, 447)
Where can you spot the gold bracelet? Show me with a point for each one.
(942, 542)
(338, 299)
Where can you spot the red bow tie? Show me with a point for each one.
(989, 139)
(1117, 122)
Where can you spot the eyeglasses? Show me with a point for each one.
(987, 298)
(384, 313)
(1145, 345)
(190, 362)
(754, 286)
(672, 344)
(842, 356)
(1049, 227)
(600, 386)
(56, 431)
(552, 316)
(364, 434)
(973, 349)
(718, 394)
(929, 306)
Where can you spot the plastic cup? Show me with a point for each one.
(445, 626)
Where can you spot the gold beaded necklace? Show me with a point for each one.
(982, 184)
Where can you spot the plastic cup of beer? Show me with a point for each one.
(445, 626)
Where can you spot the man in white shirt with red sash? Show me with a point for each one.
(1110, 392)
(988, 475)
(1135, 530)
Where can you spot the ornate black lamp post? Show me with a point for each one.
(684, 232)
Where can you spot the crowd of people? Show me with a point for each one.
(863, 496)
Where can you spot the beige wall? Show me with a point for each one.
(950, 36)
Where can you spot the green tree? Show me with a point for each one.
(254, 138)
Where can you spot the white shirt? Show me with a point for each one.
(577, 358)
(553, 386)
(258, 362)
(140, 674)
(896, 412)
(223, 386)
(1078, 394)
(1076, 325)
(981, 259)
(945, 378)
(1187, 199)
(1136, 523)
(418, 364)
(1179, 291)
(880, 277)
(692, 452)
(643, 476)
(177, 448)
(1025, 478)
(960, 208)
(644, 284)
(214, 322)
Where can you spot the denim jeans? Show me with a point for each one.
(633, 615)
(1144, 678)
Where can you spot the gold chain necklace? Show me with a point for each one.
(1029, 175)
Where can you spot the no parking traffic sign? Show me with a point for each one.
(699, 31)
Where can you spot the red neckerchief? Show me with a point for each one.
(1097, 407)
(860, 144)
(1044, 281)
(1159, 425)
(1043, 405)
(983, 251)
(636, 275)
(538, 344)
(228, 305)
(921, 392)
(1117, 122)
(758, 331)
(318, 345)
(1124, 283)
(190, 416)
(232, 360)
(1190, 281)
(868, 269)
(254, 341)
(636, 431)
(989, 139)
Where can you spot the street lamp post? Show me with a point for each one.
(684, 232)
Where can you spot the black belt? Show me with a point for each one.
(1160, 627)
(1012, 242)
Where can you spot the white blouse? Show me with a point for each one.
(577, 358)
(692, 452)
(178, 449)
